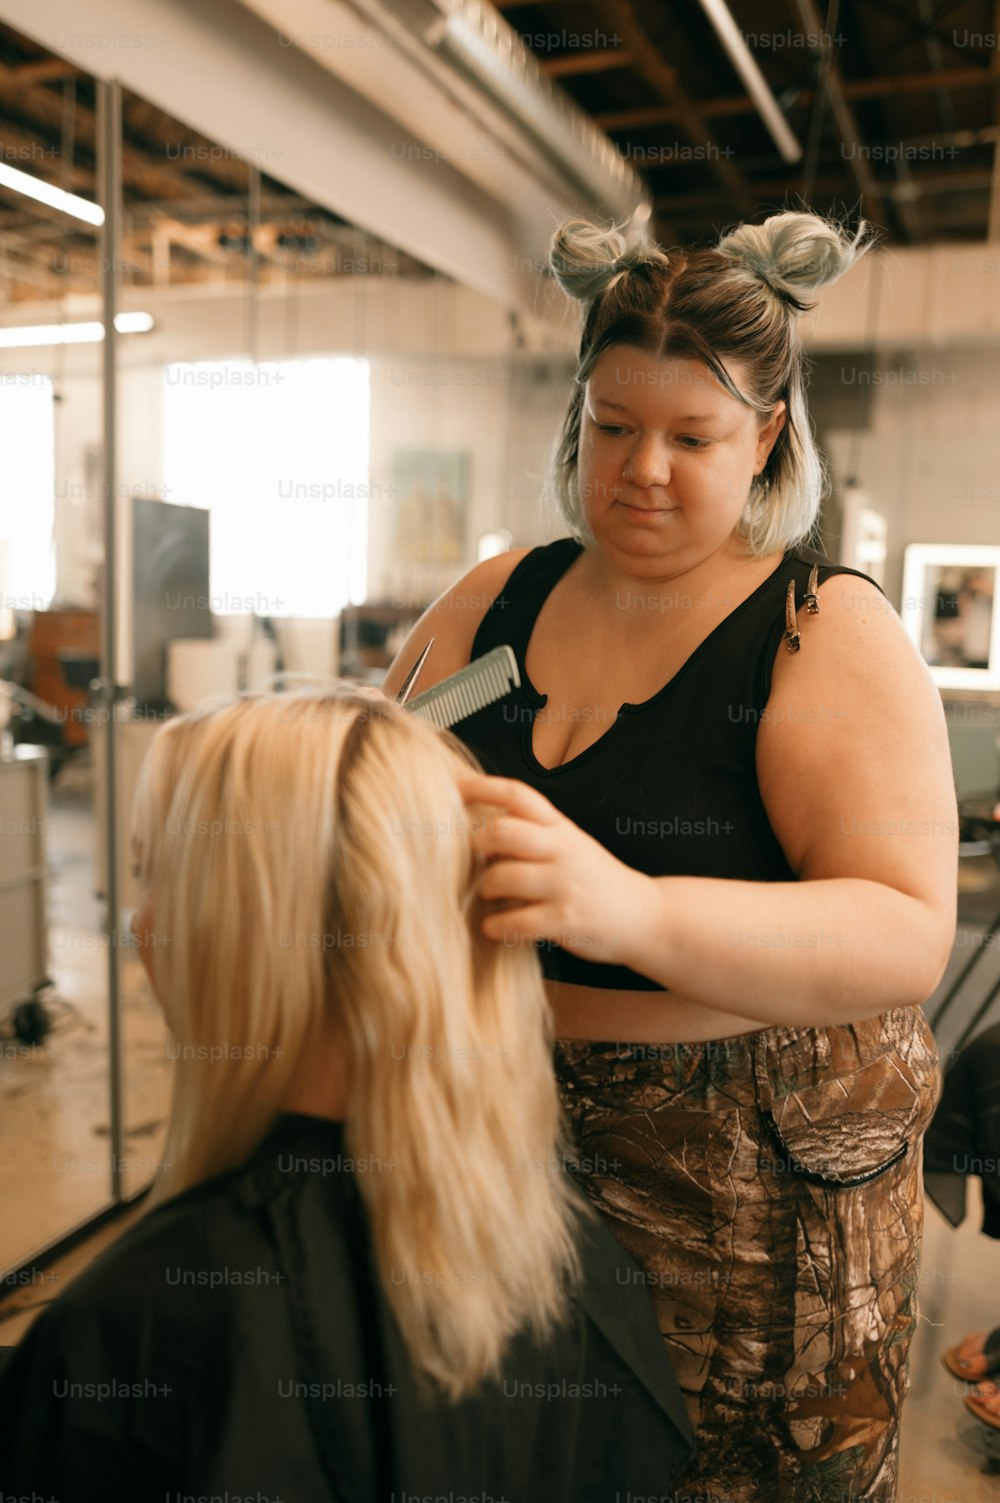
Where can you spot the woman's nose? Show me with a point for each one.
(648, 462)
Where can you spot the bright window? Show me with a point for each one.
(279, 453)
(27, 492)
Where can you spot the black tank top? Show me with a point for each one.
(670, 787)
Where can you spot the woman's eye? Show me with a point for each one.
(612, 429)
(694, 443)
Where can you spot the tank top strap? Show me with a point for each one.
(800, 575)
(511, 616)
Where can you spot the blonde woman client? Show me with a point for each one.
(730, 826)
(365, 1274)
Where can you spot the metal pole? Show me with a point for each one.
(109, 111)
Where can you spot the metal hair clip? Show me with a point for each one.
(810, 597)
(793, 640)
(791, 625)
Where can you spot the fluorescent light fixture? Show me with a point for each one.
(77, 333)
(741, 58)
(45, 193)
(133, 323)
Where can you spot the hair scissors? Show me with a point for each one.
(411, 677)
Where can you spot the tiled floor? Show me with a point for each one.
(947, 1454)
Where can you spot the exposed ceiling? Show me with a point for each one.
(187, 202)
(894, 102)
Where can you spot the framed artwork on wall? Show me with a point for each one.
(949, 608)
(430, 491)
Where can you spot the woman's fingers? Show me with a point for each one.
(516, 880)
(516, 838)
(520, 926)
(511, 794)
(559, 883)
(517, 821)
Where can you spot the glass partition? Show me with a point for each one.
(248, 505)
(312, 434)
(55, 952)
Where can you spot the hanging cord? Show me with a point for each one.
(819, 104)
(871, 322)
(793, 640)
(253, 261)
(67, 149)
(292, 289)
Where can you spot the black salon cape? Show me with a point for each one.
(235, 1343)
(963, 1138)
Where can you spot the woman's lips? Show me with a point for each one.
(647, 511)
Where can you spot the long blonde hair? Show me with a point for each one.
(308, 859)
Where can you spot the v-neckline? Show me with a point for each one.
(528, 732)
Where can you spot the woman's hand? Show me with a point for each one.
(560, 883)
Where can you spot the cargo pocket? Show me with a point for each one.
(843, 1104)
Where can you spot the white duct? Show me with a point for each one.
(456, 74)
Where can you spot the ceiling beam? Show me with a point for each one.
(712, 199)
(44, 70)
(22, 149)
(852, 89)
(586, 62)
(663, 80)
(921, 27)
(209, 206)
(47, 110)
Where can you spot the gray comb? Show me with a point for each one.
(472, 688)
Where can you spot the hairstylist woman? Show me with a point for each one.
(739, 859)
(364, 1275)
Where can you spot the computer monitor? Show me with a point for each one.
(170, 590)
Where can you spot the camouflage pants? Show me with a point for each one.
(769, 1186)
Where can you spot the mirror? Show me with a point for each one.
(55, 1080)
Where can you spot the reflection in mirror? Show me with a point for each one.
(317, 436)
(54, 954)
(948, 607)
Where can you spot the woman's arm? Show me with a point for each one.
(452, 620)
(855, 775)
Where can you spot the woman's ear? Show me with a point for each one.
(768, 433)
(142, 935)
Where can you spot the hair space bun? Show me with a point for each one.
(586, 258)
(796, 253)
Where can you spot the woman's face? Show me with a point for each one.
(666, 458)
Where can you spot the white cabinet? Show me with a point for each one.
(23, 821)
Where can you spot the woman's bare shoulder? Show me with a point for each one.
(853, 743)
(453, 620)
